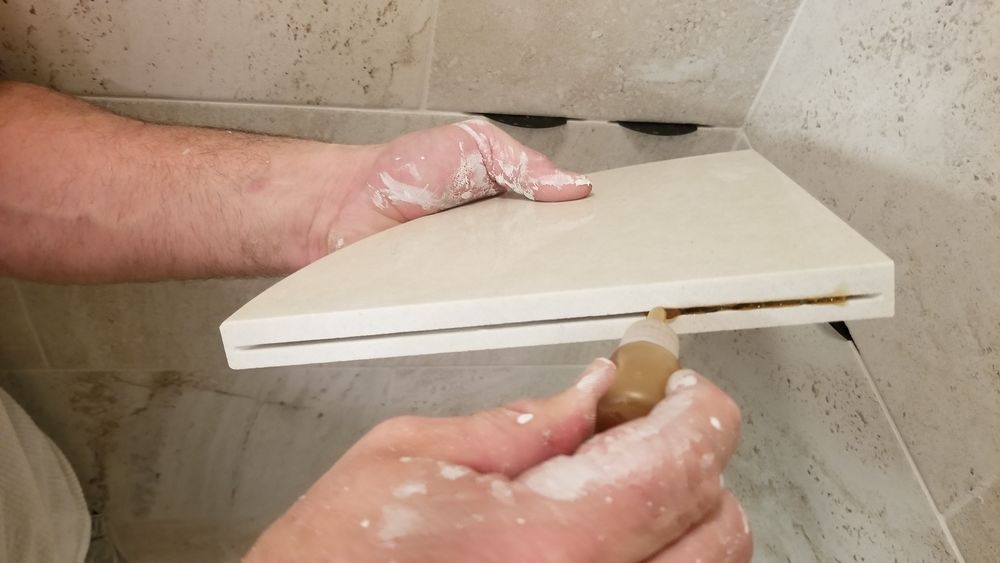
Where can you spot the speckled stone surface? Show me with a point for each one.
(683, 62)
(889, 112)
(819, 470)
(191, 465)
(18, 347)
(356, 52)
(976, 525)
(168, 325)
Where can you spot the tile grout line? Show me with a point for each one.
(430, 56)
(774, 62)
(976, 494)
(31, 325)
(942, 522)
(740, 136)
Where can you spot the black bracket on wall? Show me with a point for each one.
(843, 330)
(527, 121)
(548, 121)
(659, 129)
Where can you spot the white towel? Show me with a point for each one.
(43, 516)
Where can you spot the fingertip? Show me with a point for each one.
(683, 379)
(596, 378)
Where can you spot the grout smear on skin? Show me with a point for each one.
(613, 457)
(501, 491)
(397, 522)
(401, 192)
(512, 168)
(409, 489)
(682, 381)
(707, 460)
(594, 376)
(471, 180)
(560, 179)
(452, 472)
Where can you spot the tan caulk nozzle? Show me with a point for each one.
(646, 357)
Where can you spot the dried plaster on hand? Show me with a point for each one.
(469, 182)
(398, 521)
(512, 167)
(409, 489)
(452, 472)
(613, 458)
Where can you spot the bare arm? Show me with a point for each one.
(88, 196)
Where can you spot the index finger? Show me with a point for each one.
(646, 482)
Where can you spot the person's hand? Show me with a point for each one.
(429, 171)
(527, 482)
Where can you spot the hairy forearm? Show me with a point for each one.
(88, 196)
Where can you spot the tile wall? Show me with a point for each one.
(889, 112)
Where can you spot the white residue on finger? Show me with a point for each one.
(398, 521)
(398, 192)
(409, 489)
(452, 472)
(561, 179)
(501, 491)
(470, 181)
(511, 168)
(614, 457)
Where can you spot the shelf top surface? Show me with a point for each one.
(698, 231)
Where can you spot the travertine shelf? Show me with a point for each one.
(709, 230)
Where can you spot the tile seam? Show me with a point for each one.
(429, 66)
(942, 522)
(792, 25)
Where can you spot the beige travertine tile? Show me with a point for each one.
(168, 325)
(589, 146)
(449, 391)
(889, 112)
(336, 125)
(351, 53)
(555, 355)
(819, 470)
(976, 526)
(192, 466)
(18, 346)
(689, 62)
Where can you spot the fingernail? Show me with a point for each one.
(594, 378)
(682, 379)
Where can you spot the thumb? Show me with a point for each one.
(524, 171)
(513, 438)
